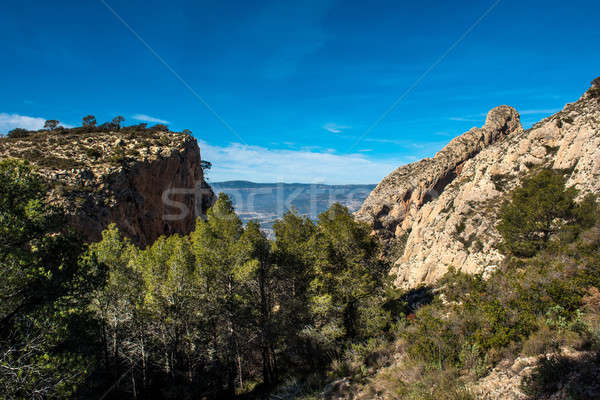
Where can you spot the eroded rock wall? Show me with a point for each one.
(444, 210)
(148, 183)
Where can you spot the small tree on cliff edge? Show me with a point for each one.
(51, 124)
(89, 121)
(117, 122)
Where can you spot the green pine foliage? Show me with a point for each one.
(224, 312)
(45, 286)
(536, 211)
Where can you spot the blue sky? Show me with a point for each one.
(298, 83)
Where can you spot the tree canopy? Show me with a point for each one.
(535, 211)
(44, 287)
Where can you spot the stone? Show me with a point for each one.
(445, 208)
(115, 177)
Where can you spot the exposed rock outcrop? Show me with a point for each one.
(505, 381)
(148, 182)
(394, 203)
(444, 210)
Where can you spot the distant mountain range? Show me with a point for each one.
(266, 202)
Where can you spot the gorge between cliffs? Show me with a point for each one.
(473, 274)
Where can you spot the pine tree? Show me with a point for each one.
(214, 246)
(349, 278)
(44, 287)
(294, 253)
(258, 271)
(535, 211)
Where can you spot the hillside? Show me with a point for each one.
(442, 212)
(104, 175)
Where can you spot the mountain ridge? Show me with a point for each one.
(431, 230)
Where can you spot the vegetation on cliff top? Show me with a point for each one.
(90, 145)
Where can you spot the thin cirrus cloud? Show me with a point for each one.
(480, 117)
(260, 164)
(9, 122)
(540, 111)
(147, 118)
(465, 119)
(335, 128)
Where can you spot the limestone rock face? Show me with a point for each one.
(504, 381)
(394, 203)
(443, 211)
(148, 183)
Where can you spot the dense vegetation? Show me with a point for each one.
(225, 312)
(46, 330)
(542, 298)
(210, 314)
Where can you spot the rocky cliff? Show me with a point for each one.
(148, 182)
(442, 212)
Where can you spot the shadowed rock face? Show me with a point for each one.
(444, 210)
(149, 184)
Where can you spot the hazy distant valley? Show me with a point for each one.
(266, 202)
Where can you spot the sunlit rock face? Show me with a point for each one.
(442, 212)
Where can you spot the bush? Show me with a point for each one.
(535, 211)
(93, 152)
(19, 133)
(541, 342)
(415, 382)
(546, 377)
(500, 181)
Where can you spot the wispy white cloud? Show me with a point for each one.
(147, 118)
(11, 121)
(409, 144)
(465, 119)
(335, 128)
(386, 141)
(259, 164)
(539, 111)
(481, 117)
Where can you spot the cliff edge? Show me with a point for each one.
(148, 182)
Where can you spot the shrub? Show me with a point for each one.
(541, 342)
(500, 181)
(413, 382)
(535, 211)
(19, 133)
(547, 376)
(160, 128)
(51, 124)
(432, 340)
(551, 149)
(93, 152)
(89, 121)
